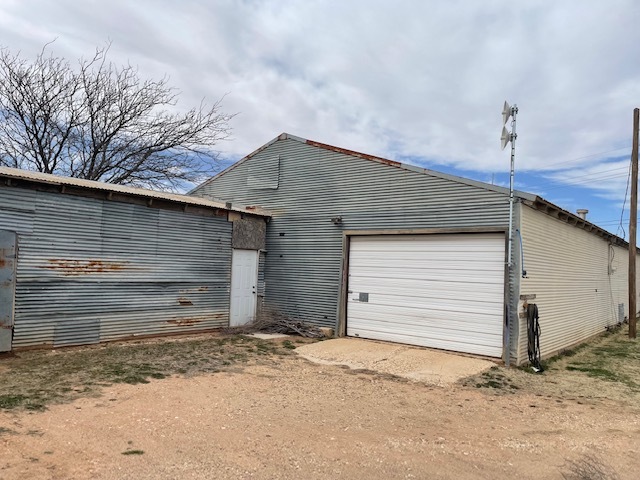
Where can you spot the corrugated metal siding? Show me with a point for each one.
(304, 249)
(92, 270)
(261, 268)
(568, 271)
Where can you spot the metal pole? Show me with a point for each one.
(633, 220)
(514, 111)
(507, 333)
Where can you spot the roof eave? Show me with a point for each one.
(555, 211)
(37, 178)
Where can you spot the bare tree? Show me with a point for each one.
(100, 121)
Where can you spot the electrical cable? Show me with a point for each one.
(586, 156)
(584, 182)
(626, 191)
(599, 172)
(533, 337)
(523, 271)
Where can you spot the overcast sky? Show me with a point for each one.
(417, 81)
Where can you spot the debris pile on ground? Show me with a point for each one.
(275, 322)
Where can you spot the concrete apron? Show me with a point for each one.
(415, 363)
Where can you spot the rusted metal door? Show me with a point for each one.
(8, 242)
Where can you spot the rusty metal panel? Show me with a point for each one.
(316, 185)
(94, 270)
(8, 251)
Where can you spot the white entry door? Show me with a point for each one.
(244, 280)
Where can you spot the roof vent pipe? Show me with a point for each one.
(582, 213)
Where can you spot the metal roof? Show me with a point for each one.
(48, 179)
(528, 198)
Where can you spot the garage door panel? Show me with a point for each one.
(431, 273)
(424, 288)
(396, 304)
(427, 318)
(427, 255)
(440, 291)
(411, 243)
(442, 337)
(432, 320)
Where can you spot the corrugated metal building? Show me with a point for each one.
(83, 262)
(383, 250)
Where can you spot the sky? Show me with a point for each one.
(422, 82)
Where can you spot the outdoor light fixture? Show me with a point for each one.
(336, 220)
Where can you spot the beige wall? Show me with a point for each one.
(578, 280)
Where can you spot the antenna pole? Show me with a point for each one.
(507, 137)
(514, 112)
(633, 221)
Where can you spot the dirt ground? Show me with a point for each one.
(282, 417)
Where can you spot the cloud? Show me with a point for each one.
(419, 80)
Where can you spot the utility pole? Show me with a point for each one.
(633, 221)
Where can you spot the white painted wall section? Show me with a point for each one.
(578, 278)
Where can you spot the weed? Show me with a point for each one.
(594, 372)
(133, 452)
(588, 467)
(11, 401)
(495, 378)
(288, 344)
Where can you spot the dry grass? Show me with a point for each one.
(34, 379)
(606, 368)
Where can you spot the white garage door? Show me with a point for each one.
(440, 291)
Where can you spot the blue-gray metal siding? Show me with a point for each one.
(304, 248)
(92, 270)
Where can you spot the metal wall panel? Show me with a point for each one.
(8, 251)
(578, 278)
(94, 270)
(304, 248)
